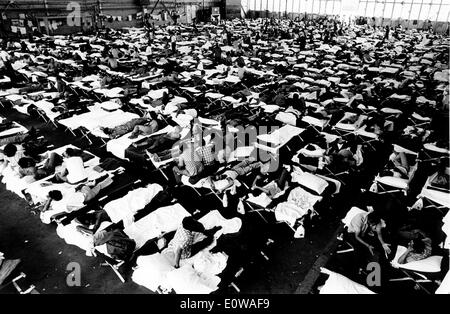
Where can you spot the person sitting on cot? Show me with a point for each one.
(72, 169)
(182, 245)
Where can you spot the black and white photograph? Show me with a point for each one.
(224, 152)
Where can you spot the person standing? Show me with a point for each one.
(173, 40)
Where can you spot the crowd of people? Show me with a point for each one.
(274, 117)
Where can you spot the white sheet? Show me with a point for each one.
(126, 207)
(197, 275)
(162, 220)
(444, 288)
(297, 206)
(338, 284)
(16, 129)
(118, 146)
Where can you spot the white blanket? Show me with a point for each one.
(126, 207)
(98, 118)
(16, 129)
(162, 220)
(118, 146)
(297, 206)
(197, 275)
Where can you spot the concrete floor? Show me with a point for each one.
(291, 266)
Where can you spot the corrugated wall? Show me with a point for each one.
(57, 12)
(233, 9)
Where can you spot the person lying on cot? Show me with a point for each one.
(145, 126)
(228, 179)
(123, 128)
(78, 198)
(150, 126)
(418, 249)
(160, 142)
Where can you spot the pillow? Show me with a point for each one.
(394, 182)
(430, 264)
(351, 214)
(110, 106)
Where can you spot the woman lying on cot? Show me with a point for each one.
(419, 246)
(228, 179)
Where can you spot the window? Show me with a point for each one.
(333, 7)
(302, 6)
(397, 11)
(379, 6)
(424, 13)
(433, 13)
(415, 11)
(263, 5)
(362, 8)
(443, 13)
(309, 6)
(290, 6)
(370, 8)
(316, 5)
